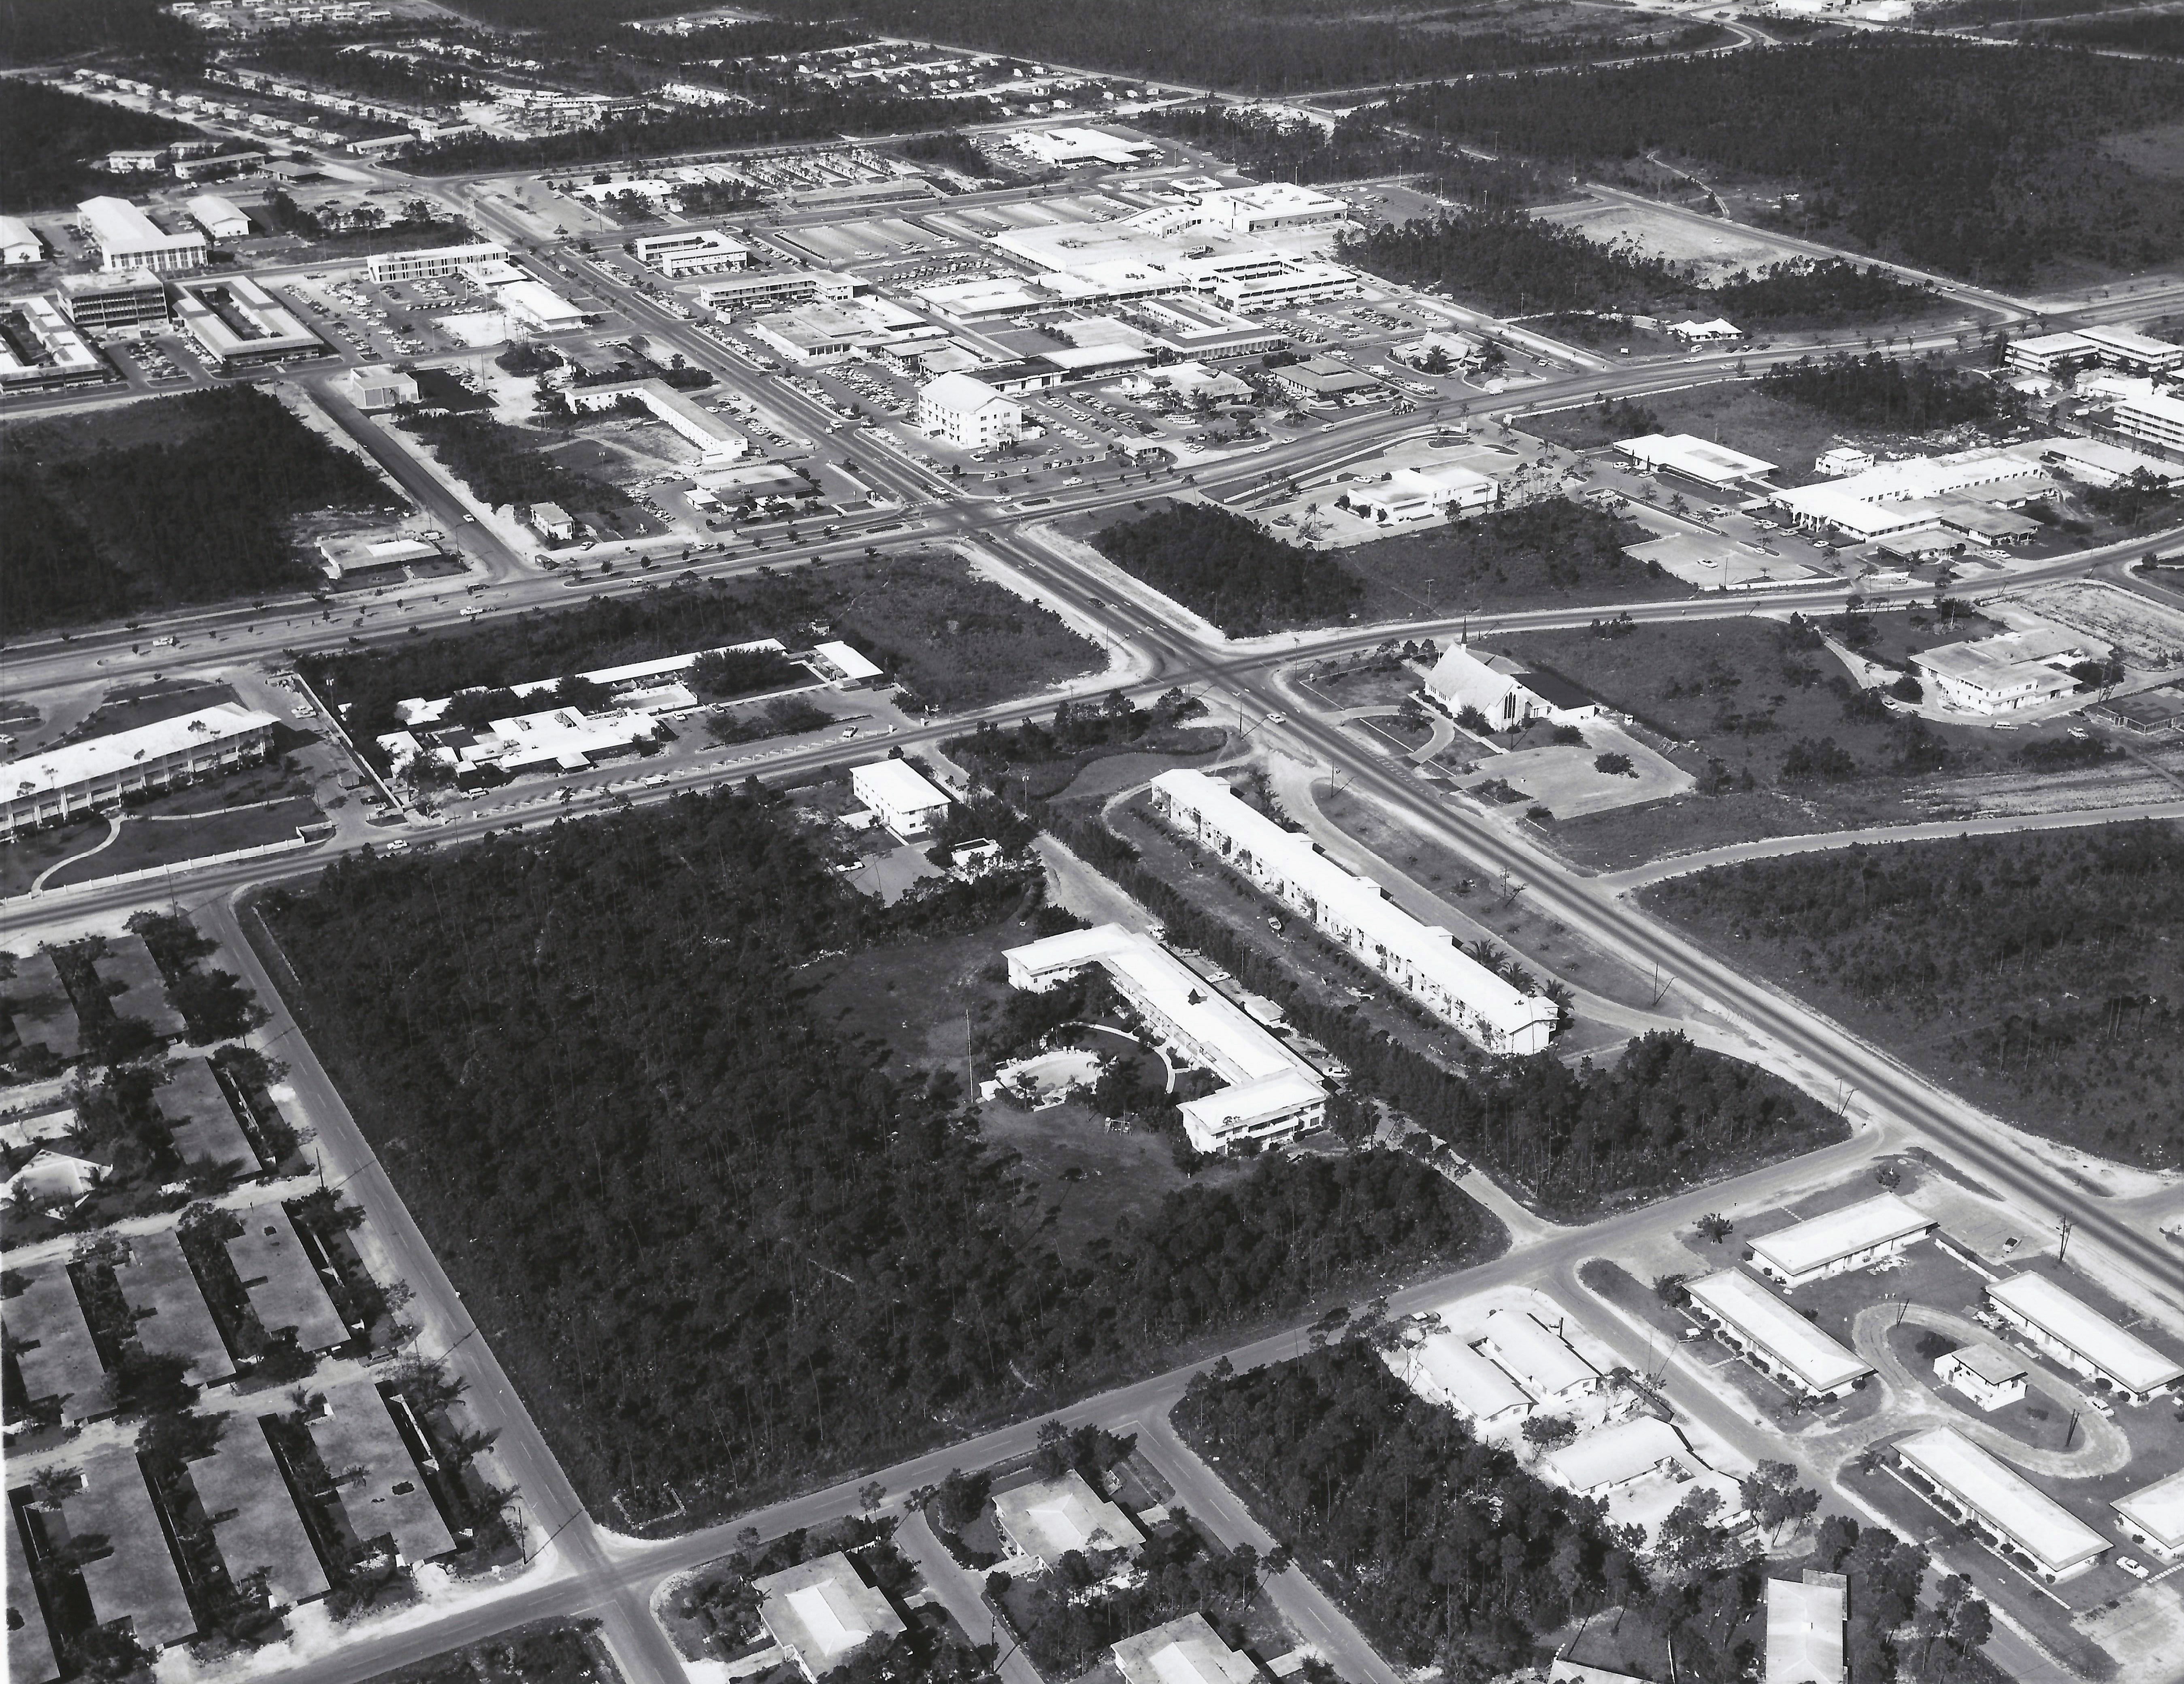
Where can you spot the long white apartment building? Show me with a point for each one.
(2060, 1324)
(1423, 960)
(2153, 1516)
(127, 238)
(690, 251)
(1443, 1370)
(717, 443)
(1772, 1337)
(1853, 1237)
(1975, 1489)
(1271, 1094)
(2158, 418)
(87, 776)
(389, 268)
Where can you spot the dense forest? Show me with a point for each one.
(1498, 256)
(324, 63)
(1975, 160)
(1225, 567)
(34, 31)
(1453, 1556)
(1359, 146)
(502, 464)
(1917, 395)
(2160, 32)
(1271, 46)
(729, 1252)
(50, 141)
(1554, 543)
(2039, 973)
(1665, 1115)
(193, 507)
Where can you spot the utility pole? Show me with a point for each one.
(2063, 1226)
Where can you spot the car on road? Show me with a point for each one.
(654, 780)
(2132, 1566)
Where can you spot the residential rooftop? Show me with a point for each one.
(283, 1288)
(1743, 1304)
(2030, 1518)
(381, 1489)
(254, 1520)
(1822, 1241)
(2121, 1355)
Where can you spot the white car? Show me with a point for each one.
(2132, 1566)
(654, 780)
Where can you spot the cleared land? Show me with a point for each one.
(1734, 411)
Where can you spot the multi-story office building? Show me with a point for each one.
(127, 238)
(115, 303)
(95, 774)
(392, 268)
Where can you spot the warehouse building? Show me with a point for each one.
(389, 268)
(1853, 1237)
(538, 308)
(1422, 959)
(908, 803)
(222, 218)
(127, 238)
(1272, 204)
(239, 323)
(968, 413)
(2022, 1522)
(110, 304)
(1271, 1095)
(2153, 1515)
(1774, 1338)
(2059, 1325)
(90, 776)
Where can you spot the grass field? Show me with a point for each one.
(170, 841)
(1730, 412)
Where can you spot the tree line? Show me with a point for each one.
(730, 1252)
(1922, 395)
(1230, 570)
(1360, 146)
(1971, 159)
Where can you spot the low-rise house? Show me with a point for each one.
(2153, 1516)
(1808, 1624)
(1046, 1521)
(284, 1289)
(200, 1120)
(376, 1479)
(1185, 1651)
(820, 1611)
(38, 1006)
(2062, 1326)
(1989, 1376)
(162, 1292)
(1443, 1370)
(1855, 1236)
(135, 1581)
(2000, 1504)
(1538, 1359)
(254, 1520)
(53, 1178)
(50, 1341)
(134, 987)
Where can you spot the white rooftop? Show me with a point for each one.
(1699, 458)
(2158, 1509)
(1467, 1380)
(847, 662)
(1805, 1619)
(1743, 1304)
(966, 394)
(1611, 1455)
(1055, 1516)
(823, 1610)
(899, 783)
(1185, 1651)
(2122, 1356)
(60, 768)
(1824, 1240)
(1539, 1359)
(2020, 1511)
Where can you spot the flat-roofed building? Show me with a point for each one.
(1407, 495)
(253, 1519)
(1047, 1519)
(1853, 1237)
(1808, 1622)
(31, 1658)
(1977, 1490)
(389, 268)
(39, 1009)
(2157, 417)
(127, 238)
(1270, 1093)
(536, 306)
(283, 1287)
(1987, 1375)
(162, 1292)
(375, 385)
(908, 803)
(1185, 1651)
(134, 986)
(754, 292)
(2050, 353)
(2153, 1515)
(1422, 959)
(2003, 674)
(2062, 1326)
(820, 1611)
(39, 346)
(135, 1581)
(95, 774)
(222, 218)
(375, 1477)
(113, 304)
(19, 243)
(1538, 1358)
(968, 413)
(841, 665)
(238, 323)
(1272, 204)
(692, 251)
(200, 1120)
(1772, 1337)
(1712, 465)
(717, 443)
(51, 1339)
(1443, 1370)
(2133, 353)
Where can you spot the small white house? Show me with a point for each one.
(18, 243)
(552, 522)
(1989, 1376)
(908, 802)
(1842, 461)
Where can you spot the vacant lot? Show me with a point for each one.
(1732, 412)
(2038, 975)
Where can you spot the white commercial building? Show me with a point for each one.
(1718, 332)
(127, 238)
(237, 322)
(1962, 489)
(222, 218)
(908, 802)
(1807, 1623)
(389, 268)
(95, 774)
(1990, 1376)
(18, 243)
(538, 308)
(839, 663)
(2003, 674)
(749, 292)
(1699, 458)
(1429, 493)
(2119, 348)
(375, 385)
(693, 251)
(1504, 691)
(1537, 1358)
(1778, 1341)
(39, 346)
(2062, 1326)
(1976, 1489)
(1443, 1370)
(2153, 1515)
(1271, 1094)
(1047, 1519)
(1272, 204)
(2158, 418)
(820, 1611)
(717, 443)
(1843, 461)
(1064, 147)
(968, 413)
(1847, 1239)
(1422, 959)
